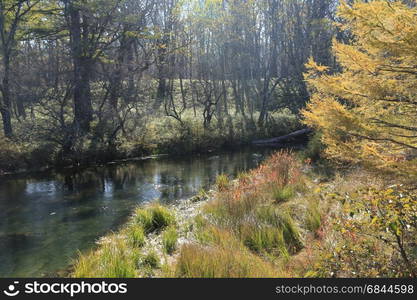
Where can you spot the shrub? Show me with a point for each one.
(169, 239)
(370, 219)
(11, 157)
(314, 148)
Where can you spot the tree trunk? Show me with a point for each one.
(5, 108)
(285, 138)
(82, 70)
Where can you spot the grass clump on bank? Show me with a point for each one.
(154, 218)
(222, 182)
(197, 261)
(114, 259)
(129, 253)
(283, 194)
(169, 239)
(151, 260)
(136, 236)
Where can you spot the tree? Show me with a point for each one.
(368, 112)
(12, 13)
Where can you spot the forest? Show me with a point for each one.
(103, 79)
(85, 83)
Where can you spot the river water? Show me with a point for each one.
(45, 218)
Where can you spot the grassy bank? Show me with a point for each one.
(279, 220)
(31, 150)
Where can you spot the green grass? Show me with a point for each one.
(136, 236)
(201, 196)
(279, 218)
(264, 238)
(114, 259)
(169, 239)
(118, 256)
(162, 217)
(151, 260)
(313, 218)
(145, 219)
(222, 182)
(154, 218)
(282, 194)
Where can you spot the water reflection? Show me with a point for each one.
(45, 218)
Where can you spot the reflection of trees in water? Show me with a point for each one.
(12, 190)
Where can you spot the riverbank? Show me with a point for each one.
(76, 206)
(275, 221)
(27, 152)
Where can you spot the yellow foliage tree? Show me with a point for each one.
(368, 112)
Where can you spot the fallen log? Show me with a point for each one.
(285, 138)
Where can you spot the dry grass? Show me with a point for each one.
(245, 225)
(198, 261)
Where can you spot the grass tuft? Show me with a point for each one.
(313, 218)
(279, 218)
(154, 218)
(136, 236)
(151, 260)
(196, 261)
(222, 182)
(145, 219)
(169, 239)
(282, 194)
(264, 238)
(114, 259)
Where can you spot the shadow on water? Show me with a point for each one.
(45, 218)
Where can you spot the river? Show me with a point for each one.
(46, 218)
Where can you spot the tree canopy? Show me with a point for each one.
(367, 112)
